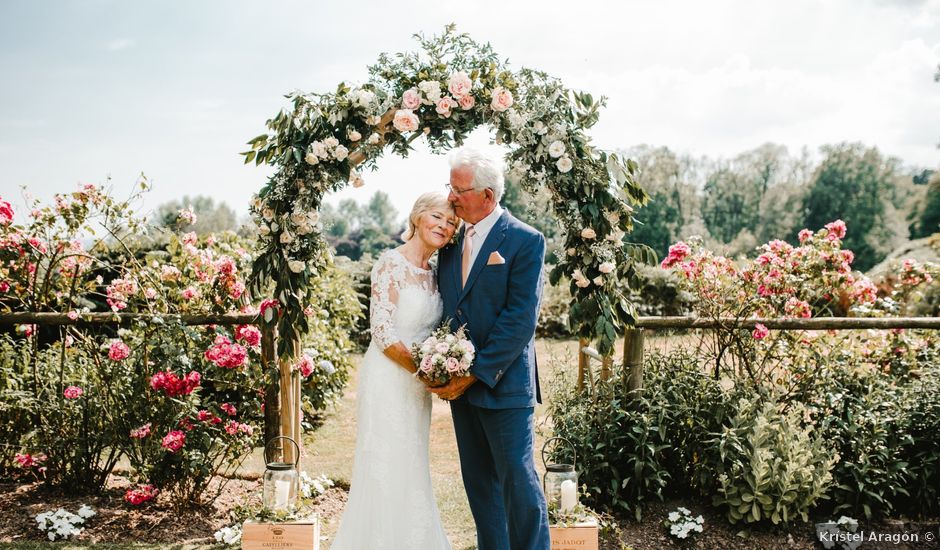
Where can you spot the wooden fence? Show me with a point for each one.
(633, 342)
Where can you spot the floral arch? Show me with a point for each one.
(443, 92)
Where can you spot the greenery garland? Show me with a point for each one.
(443, 92)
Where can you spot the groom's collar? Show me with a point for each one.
(483, 227)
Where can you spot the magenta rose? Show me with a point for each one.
(174, 441)
(73, 392)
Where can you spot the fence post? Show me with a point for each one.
(582, 362)
(290, 400)
(633, 360)
(272, 392)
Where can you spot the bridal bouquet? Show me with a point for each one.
(444, 355)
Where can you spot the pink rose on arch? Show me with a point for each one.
(502, 99)
(118, 351)
(405, 121)
(411, 99)
(444, 105)
(174, 441)
(228, 409)
(73, 392)
(804, 235)
(460, 84)
(467, 102)
(760, 331)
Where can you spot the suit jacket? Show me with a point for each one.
(499, 305)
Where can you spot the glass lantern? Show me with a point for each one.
(281, 480)
(560, 481)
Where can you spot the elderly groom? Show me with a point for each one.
(491, 281)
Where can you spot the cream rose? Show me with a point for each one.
(354, 135)
(286, 237)
(431, 90)
(405, 121)
(556, 149)
(341, 152)
(296, 266)
(330, 142)
(606, 267)
(502, 99)
(599, 280)
(373, 139)
(311, 158)
(572, 251)
(460, 84)
(267, 214)
(411, 99)
(588, 233)
(564, 164)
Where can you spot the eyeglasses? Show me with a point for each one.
(458, 192)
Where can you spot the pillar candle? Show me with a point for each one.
(569, 495)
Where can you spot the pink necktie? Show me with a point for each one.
(467, 252)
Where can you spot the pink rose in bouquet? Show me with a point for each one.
(444, 355)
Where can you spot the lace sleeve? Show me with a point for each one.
(384, 302)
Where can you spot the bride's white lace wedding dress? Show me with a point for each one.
(391, 503)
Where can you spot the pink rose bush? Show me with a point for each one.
(173, 441)
(226, 354)
(118, 351)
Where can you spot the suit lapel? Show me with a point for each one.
(493, 240)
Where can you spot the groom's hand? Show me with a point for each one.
(455, 388)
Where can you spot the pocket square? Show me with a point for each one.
(495, 259)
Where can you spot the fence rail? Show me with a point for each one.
(634, 337)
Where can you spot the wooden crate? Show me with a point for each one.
(299, 535)
(581, 536)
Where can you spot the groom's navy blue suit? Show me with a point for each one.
(493, 420)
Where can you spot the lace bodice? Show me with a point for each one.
(405, 304)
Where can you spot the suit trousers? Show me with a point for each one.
(498, 468)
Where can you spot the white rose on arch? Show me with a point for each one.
(599, 280)
(286, 237)
(588, 233)
(431, 90)
(606, 267)
(312, 159)
(556, 149)
(296, 266)
(354, 135)
(564, 164)
(579, 279)
(340, 153)
(460, 84)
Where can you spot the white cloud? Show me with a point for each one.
(119, 44)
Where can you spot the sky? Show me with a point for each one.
(98, 91)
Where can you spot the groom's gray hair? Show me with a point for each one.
(487, 170)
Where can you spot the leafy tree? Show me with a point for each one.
(673, 204)
(210, 218)
(380, 214)
(927, 213)
(853, 184)
(730, 203)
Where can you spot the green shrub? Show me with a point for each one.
(921, 403)
(770, 464)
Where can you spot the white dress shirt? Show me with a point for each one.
(481, 230)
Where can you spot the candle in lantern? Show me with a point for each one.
(281, 493)
(569, 495)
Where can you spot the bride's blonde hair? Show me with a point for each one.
(426, 203)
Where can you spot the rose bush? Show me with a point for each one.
(156, 391)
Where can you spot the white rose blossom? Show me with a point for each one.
(296, 266)
(373, 139)
(606, 267)
(286, 237)
(556, 149)
(340, 153)
(588, 233)
(564, 164)
(599, 280)
(354, 135)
